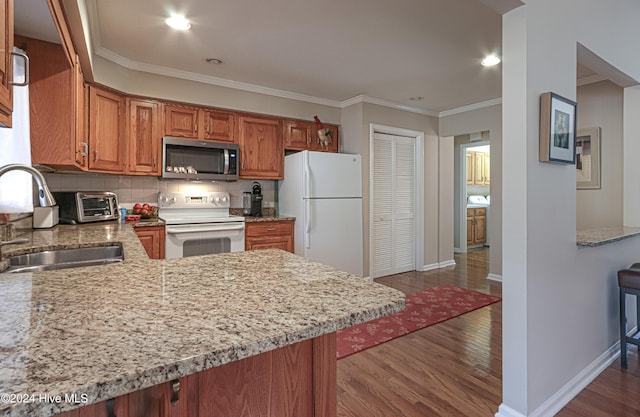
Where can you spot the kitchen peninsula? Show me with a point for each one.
(248, 333)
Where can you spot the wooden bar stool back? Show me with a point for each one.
(629, 283)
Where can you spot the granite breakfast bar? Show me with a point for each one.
(181, 337)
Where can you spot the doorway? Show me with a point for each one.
(396, 208)
(472, 193)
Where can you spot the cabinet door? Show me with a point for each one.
(480, 228)
(219, 126)
(470, 168)
(80, 99)
(261, 148)
(6, 63)
(478, 174)
(153, 240)
(332, 136)
(180, 121)
(487, 169)
(470, 230)
(270, 242)
(298, 135)
(106, 130)
(144, 137)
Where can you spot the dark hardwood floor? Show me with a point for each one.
(454, 368)
(449, 369)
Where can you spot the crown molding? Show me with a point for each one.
(470, 107)
(596, 78)
(385, 103)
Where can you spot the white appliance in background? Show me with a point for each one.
(323, 191)
(199, 224)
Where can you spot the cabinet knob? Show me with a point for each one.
(271, 229)
(95, 155)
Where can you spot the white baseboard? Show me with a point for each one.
(494, 277)
(458, 250)
(445, 264)
(506, 411)
(430, 267)
(564, 395)
(438, 265)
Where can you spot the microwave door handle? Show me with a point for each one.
(226, 161)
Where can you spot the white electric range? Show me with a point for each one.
(199, 224)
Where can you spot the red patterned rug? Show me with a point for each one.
(423, 309)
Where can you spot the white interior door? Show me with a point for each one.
(393, 229)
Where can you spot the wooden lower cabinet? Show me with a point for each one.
(476, 226)
(299, 380)
(269, 235)
(153, 240)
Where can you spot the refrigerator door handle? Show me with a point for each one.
(306, 175)
(307, 225)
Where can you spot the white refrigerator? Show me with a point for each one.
(323, 191)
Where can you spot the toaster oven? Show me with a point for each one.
(86, 206)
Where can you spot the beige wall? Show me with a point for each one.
(560, 301)
(480, 120)
(600, 105)
(356, 120)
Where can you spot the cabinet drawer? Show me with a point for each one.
(473, 212)
(268, 228)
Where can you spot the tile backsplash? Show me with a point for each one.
(133, 189)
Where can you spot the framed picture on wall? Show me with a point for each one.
(588, 158)
(557, 129)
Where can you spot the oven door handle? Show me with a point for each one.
(197, 229)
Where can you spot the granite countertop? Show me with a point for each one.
(268, 215)
(602, 236)
(104, 331)
(249, 219)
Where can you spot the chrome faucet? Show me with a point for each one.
(45, 196)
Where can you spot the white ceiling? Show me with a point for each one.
(331, 50)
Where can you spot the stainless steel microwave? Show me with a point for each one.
(192, 159)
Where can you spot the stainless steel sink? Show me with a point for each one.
(65, 258)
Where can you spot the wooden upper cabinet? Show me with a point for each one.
(199, 123)
(6, 62)
(261, 148)
(180, 121)
(80, 98)
(107, 131)
(219, 126)
(57, 103)
(332, 146)
(144, 141)
(298, 135)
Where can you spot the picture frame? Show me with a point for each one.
(588, 159)
(557, 129)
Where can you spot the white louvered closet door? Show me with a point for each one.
(393, 231)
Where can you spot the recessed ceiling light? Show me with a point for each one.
(490, 60)
(178, 22)
(214, 61)
(415, 98)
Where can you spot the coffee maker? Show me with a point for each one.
(256, 199)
